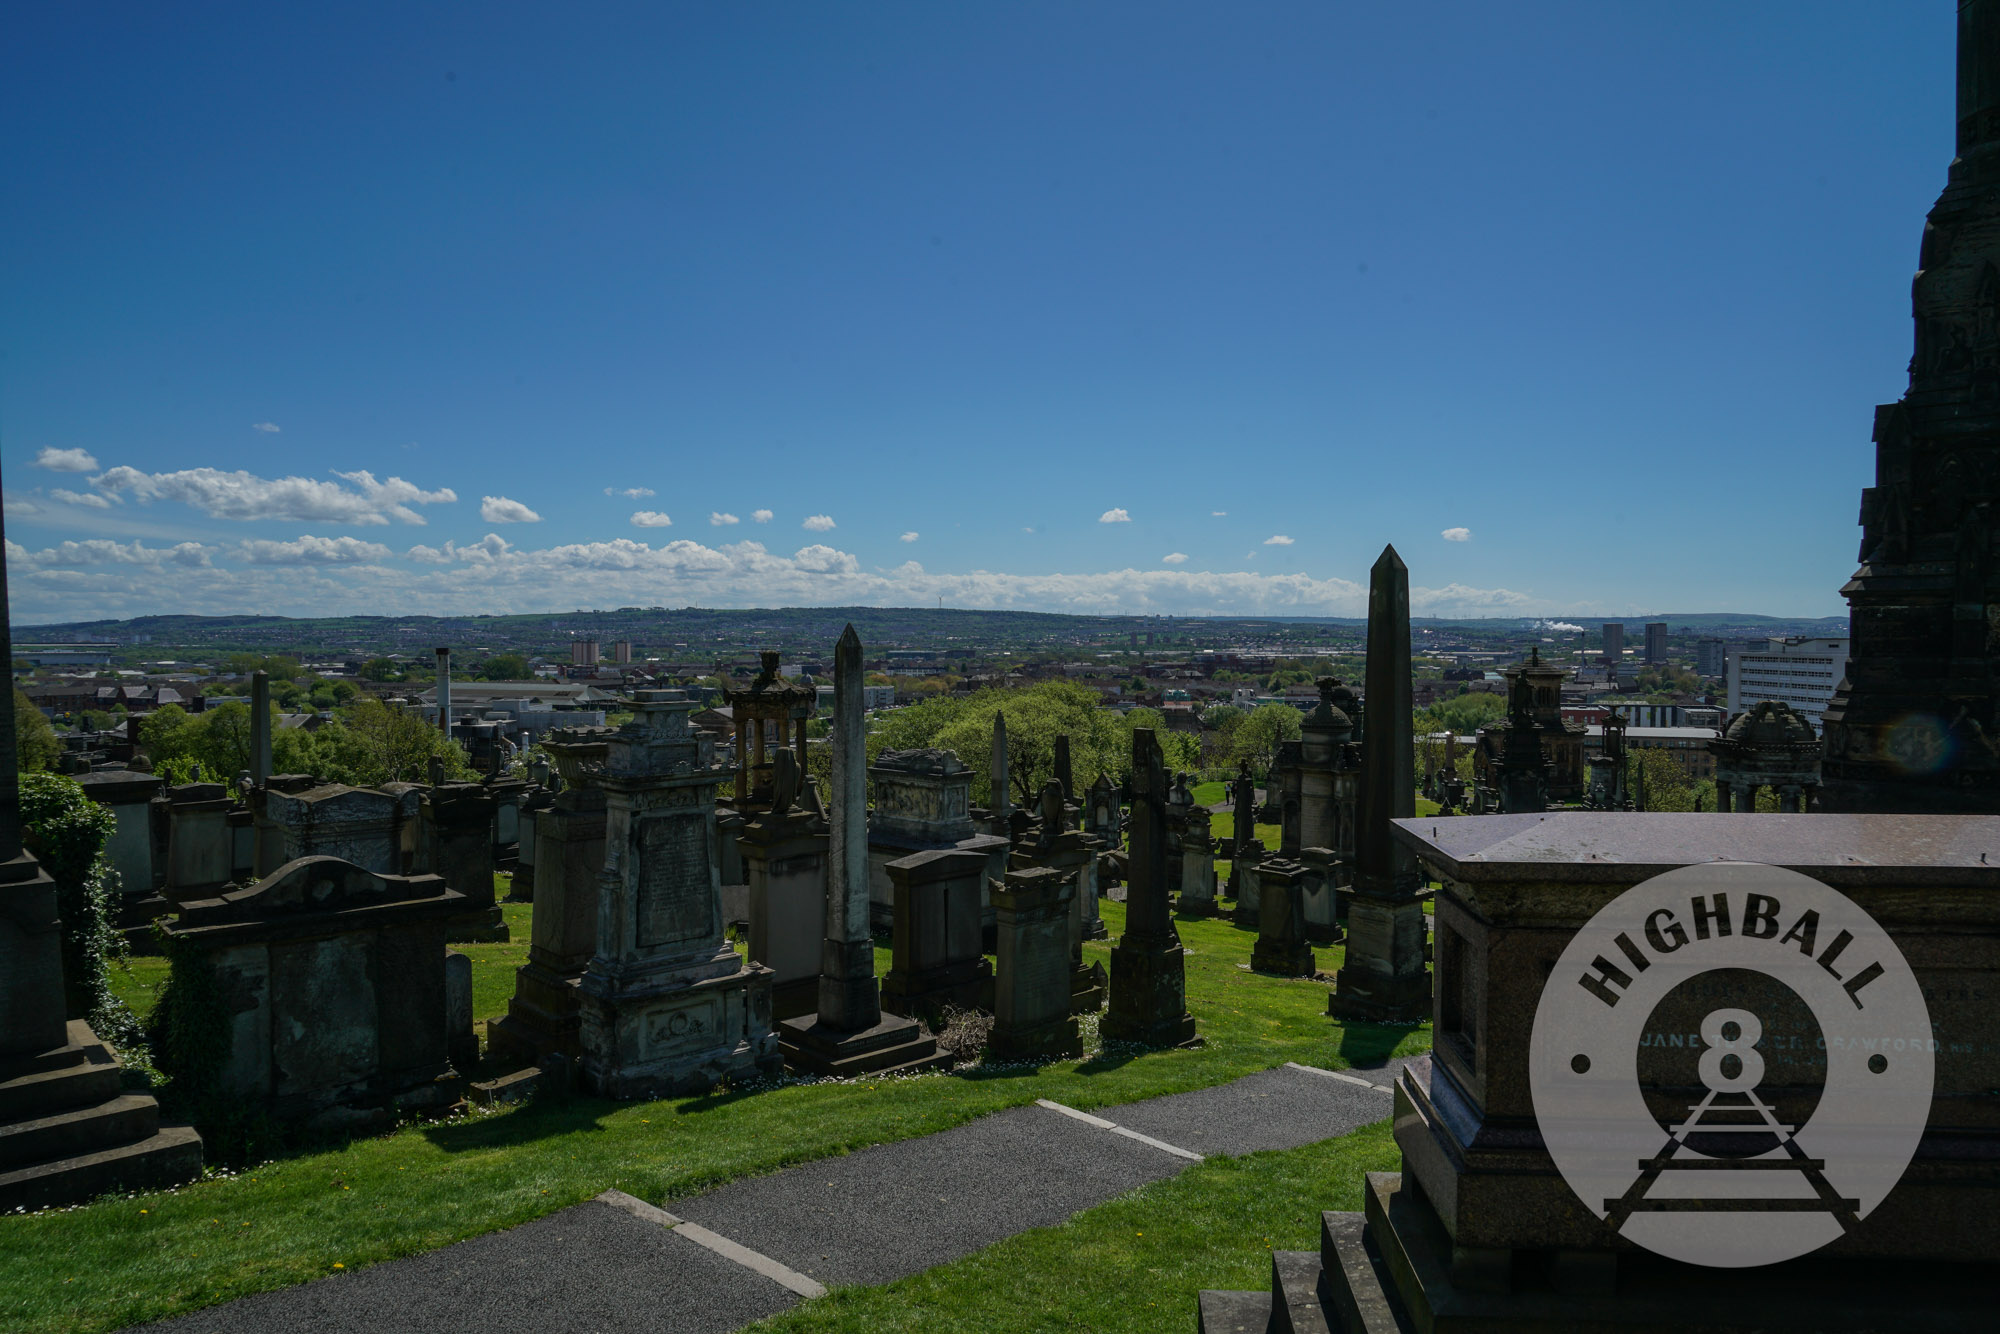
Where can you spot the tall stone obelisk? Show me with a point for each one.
(1384, 978)
(1148, 976)
(1915, 726)
(998, 801)
(850, 1035)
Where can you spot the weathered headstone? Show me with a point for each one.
(937, 957)
(1384, 978)
(1148, 1002)
(129, 798)
(784, 859)
(199, 857)
(668, 1007)
(339, 975)
(461, 1042)
(1032, 1018)
(356, 824)
(1197, 887)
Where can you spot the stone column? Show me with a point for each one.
(1065, 776)
(260, 728)
(1031, 989)
(1075, 856)
(1384, 978)
(1148, 979)
(444, 690)
(1723, 802)
(850, 1035)
(999, 800)
(938, 961)
(667, 1006)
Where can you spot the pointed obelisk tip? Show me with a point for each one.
(849, 639)
(1389, 560)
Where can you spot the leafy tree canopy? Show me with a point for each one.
(35, 742)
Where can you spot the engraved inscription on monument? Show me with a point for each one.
(676, 900)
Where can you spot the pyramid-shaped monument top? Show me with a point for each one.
(1388, 562)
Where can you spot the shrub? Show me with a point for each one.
(67, 832)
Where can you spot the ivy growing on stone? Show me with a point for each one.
(67, 831)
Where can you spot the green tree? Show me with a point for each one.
(504, 667)
(278, 668)
(392, 744)
(1259, 735)
(1463, 715)
(381, 669)
(35, 743)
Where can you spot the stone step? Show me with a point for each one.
(44, 1092)
(1295, 1294)
(82, 1048)
(1355, 1288)
(125, 1119)
(1233, 1312)
(167, 1158)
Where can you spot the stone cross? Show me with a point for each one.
(1384, 978)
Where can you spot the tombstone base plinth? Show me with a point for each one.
(895, 1045)
(1392, 1269)
(1380, 998)
(1283, 960)
(545, 1015)
(1087, 985)
(1059, 1040)
(679, 1038)
(69, 1132)
(791, 999)
(477, 926)
(1149, 996)
(1190, 906)
(928, 991)
(136, 915)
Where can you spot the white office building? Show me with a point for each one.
(1798, 672)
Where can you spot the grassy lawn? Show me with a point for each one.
(124, 1260)
(1208, 794)
(1131, 1264)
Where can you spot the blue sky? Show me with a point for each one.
(1605, 292)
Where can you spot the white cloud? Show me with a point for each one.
(1174, 558)
(651, 519)
(818, 523)
(1114, 516)
(910, 536)
(90, 498)
(18, 506)
(66, 460)
(499, 509)
(761, 516)
(242, 495)
(1277, 540)
(269, 428)
(102, 551)
(90, 579)
(1218, 514)
(825, 560)
(630, 492)
(1456, 534)
(717, 519)
(310, 550)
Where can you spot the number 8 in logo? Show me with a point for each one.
(1725, 1046)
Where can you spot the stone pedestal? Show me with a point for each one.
(198, 852)
(461, 1041)
(507, 794)
(938, 961)
(1282, 947)
(784, 864)
(668, 1007)
(1032, 1019)
(545, 1014)
(1325, 901)
(359, 825)
(1197, 895)
(1249, 902)
(129, 796)
(1384, 979)
(923, 801)
(458, 836)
